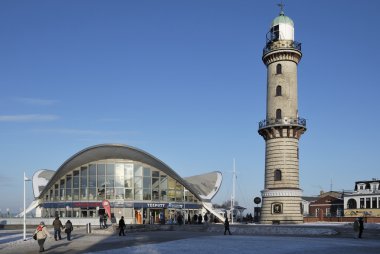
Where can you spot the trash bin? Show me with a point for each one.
(88, 228)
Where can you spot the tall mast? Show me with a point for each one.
(233, 192)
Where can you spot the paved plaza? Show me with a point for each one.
(182, 241)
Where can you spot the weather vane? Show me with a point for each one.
(281, 5)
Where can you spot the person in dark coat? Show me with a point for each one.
(57, 225)
(199, 218)
(101, 220)
(121, 226)
(361, 226)
(227, 226)
(68, 229)
(205, 218)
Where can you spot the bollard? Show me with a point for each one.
(88, 228)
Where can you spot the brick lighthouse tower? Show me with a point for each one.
(282, 127)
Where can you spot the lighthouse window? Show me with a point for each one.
(278, 69)
(278, 114)
(277, 175)
(278, 91)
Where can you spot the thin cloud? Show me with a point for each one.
(36, 101)
(86, 132)
(28, 118)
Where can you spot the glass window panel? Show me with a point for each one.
(129, 194)
(119, 169)
(83, 177)
(155, 194)
(155, 183)
(128, 183)
(92, 169)
(83, 193)
(128, 170)
(101, 182)
(110, 181)
(119, 193)
(76, 173)
(92, 181)
(179, 196)
(147, 194)
(92, 193)
(146, 171)
(110, 193)
(155, 173)
(164, 182)
(75, 182)
(110, 169)
(101, 194)
(119, 181)
(138, 170)
(164, 196)
(68, 194)
(171, 183)
(178, 186)
(138, 194)
(138, 182)
(68, 181)
(75, 194)
(171, 195)
(101, 169)
(147, 182)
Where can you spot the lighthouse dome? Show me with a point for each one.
(282, 28)
(282, 19)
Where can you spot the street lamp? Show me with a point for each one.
(25, 180)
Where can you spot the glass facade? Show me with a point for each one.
(118, 180)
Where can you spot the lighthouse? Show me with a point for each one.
(282, 127)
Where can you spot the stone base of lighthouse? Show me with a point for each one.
(281, 206)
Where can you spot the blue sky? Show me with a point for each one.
(184, 81)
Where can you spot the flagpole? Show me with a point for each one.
(24, 232)
(24, 209)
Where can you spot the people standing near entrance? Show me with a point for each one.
(227, 226)
(42, 233)
(57, 224)
(121, 226)
(200, 218)
(205, 218)
(68, 229)
(188, 218)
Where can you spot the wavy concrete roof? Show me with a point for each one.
(119, 151)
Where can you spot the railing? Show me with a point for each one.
(293, 45)
(282, 121)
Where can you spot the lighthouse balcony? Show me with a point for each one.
(301, 122)
(272, 45)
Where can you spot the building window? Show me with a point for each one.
(351, 204)
(277, 175)
(276, 208)
(362, 203)
(278, 69)
(278, 91)
(278, 114)
(367, 203)
(374, 202)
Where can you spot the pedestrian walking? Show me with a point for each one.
(57, 225)
(105, 221)
(121, 226)
(41, 233)
(227, 226)
(356, 228)
(68, 229)
(100, 220)
(361, 226)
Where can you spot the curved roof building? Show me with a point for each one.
(137, 185)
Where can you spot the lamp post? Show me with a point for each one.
(25, 180)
